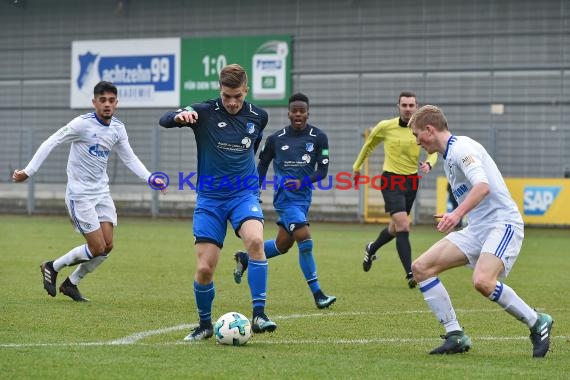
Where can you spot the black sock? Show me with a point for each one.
(206, 323)
(404, 250)
(258, 310)
(318, 294)
(384, 237)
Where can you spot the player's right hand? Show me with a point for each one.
(19, 176)
(292, 184)
(447, 221)
(186, 117)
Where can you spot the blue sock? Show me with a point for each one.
(270, 249)
(204, 298)
(307, 264)
(257, 280)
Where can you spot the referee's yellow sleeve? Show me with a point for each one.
(374, 138)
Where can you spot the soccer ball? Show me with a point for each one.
(233, 329)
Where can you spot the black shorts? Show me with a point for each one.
(400, 192)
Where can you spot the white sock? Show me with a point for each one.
(75, 256)
(439, 302)
(84, 268)
(505, 296)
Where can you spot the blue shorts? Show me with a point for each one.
(292, 218)
(211, 216)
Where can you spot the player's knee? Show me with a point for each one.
(204, 273)
(284, 245)
(255, 245)
(97, 249)
(400, 224)
(483, 284)
(108, 247)
(403, 226)
(420, 270)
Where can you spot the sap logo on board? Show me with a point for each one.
(537, 199)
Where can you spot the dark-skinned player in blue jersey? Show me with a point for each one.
(228, 131)
(300, 155)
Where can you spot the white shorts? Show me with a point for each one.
(87, 214)
(501, 240)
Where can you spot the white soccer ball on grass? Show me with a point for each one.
(233, 329)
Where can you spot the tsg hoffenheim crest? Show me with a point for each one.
(309, 147)
(250, 128)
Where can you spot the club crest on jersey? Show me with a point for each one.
(309, 147)
(250, 128)
(97, 151)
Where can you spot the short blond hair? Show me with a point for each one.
(233, 76)
(428, 114)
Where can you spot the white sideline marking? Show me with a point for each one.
(280, 341)
(390, 340)
(356, 313)
(134, 338)
(131, 339)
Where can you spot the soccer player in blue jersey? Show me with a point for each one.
(88, 199)
(300, 155)
(228, 131)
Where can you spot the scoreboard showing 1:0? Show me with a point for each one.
(267, 68)
(213, 66)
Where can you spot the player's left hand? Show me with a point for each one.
(425, 167)
(447, 222)
(160, 184)
(19, 176)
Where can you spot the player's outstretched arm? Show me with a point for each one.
(131, 161)
(67, 133)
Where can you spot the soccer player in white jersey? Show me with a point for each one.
(490, 244)
(88, 200)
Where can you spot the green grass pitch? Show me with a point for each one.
(142, 305)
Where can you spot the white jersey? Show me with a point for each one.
(91, 144)
(466, 163)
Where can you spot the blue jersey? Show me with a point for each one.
(226, 147)
(302, 155)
